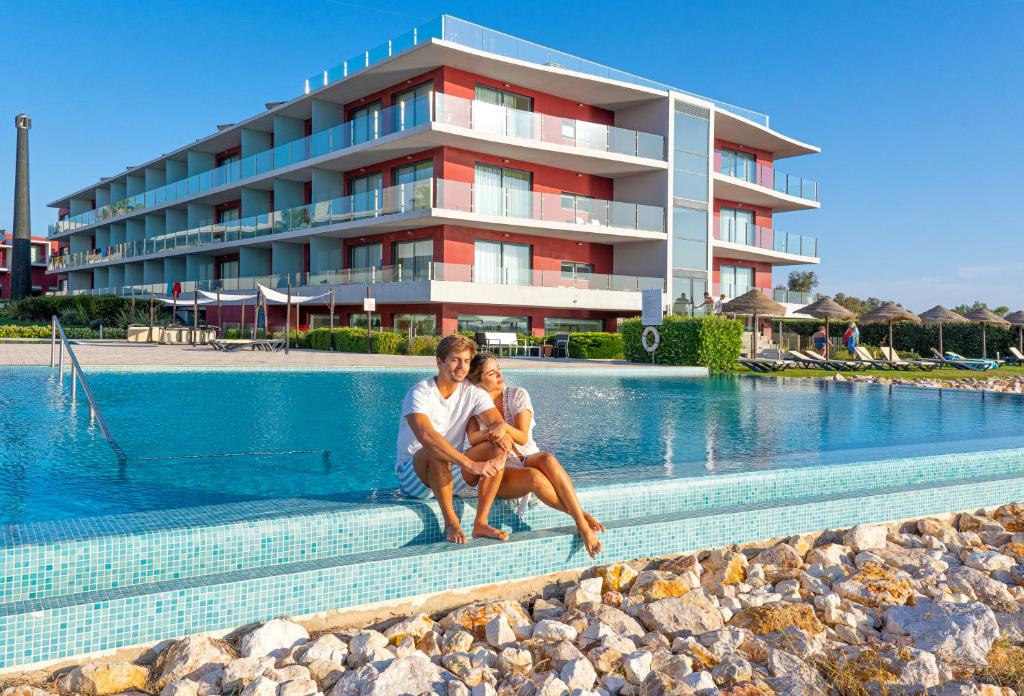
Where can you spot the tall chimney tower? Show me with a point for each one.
(21, 266)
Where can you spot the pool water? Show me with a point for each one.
(207, 437)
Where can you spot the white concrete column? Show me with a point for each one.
(287, 257)
(134, 184)
(200, 162)
(153, 272)
(135, 229)
(255, 202)
(327, 185)
(117, 233)
(253, 261)
(115, 276)
(288, 194)
(154, 224)
(155, 177)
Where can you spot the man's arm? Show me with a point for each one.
(435, 443)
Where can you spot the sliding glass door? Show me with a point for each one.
(501, 263)
(364, 123)
(736, 226)
(412, 107)
(503, 113)
(502, 191)
(412, 259)
(414, 184)
(366, 192)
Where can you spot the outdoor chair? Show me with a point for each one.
(865, 356)
(560, 346)
(901, 364)
(1016, 357)
(845, 365)
(764, 365)
(961, 363)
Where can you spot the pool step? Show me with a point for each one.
(80, 556)
(55, 627)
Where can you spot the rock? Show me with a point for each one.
(637, 666)
(732, 670)
(414, 674)
(694, 612)
(298, 687)
(652, 585)
(474, 617)
(515, 660)
(26, 690)
(776, 617)
(723, 568)
(617, 577)
(617, 620)
(612, 683)
(884, 671)
(365, 647)
(1011, 625)
(605, 658)
(456, 641)
(797, 641)
(261, 686)
(547, 609)
(865, 537)
(558, 654)
(980, 585)
(830, 555)
(417, 627)
(586, 592)
(457, 688)
(578, 674)
(1011, 517)
(954, 632)
(553, 631)
(498, 632)
(327, 647)
(988, 561)
(681, 565)
(658, 684)
(239, 673)
(549, 685)
(941, 530)
(356, 682)
(781, 556)
(324, 673)
(956, 688)
(675, 666)
(273, 638)
(98, 679)
(190, 658)
(874, 585)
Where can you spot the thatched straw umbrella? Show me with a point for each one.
(889, 313)
(1017, 319)
(826, 309)
(939, 315)
(754, 303)
(985, 317)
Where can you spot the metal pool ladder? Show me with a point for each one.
(77, 375)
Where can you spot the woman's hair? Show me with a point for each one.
(476, 367)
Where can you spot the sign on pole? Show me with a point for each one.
(651, 307)
(369, 304)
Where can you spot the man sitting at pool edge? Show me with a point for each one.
(432, 427)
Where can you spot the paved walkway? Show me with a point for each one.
(118, 353)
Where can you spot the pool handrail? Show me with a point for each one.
(76, 370)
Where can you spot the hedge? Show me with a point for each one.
(711, 341)
(422, 345)
(595, 345)
(105, 308)
(77, 333)
(918, 339)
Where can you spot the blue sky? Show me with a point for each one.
(917, 106)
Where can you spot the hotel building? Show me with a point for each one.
(466, 179)
(42, 280)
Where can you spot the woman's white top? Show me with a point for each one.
(517, 400)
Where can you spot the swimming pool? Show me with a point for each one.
(197, 438)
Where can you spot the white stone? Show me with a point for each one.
(700, 683)
(414, 674)
(261, 686)
(515, 660)
(483, 689)
(298, 687)
(988, 561)
(732, 670)
(238, 673)
(549, 630)
(273, 638)
(585, 592)
(192, 657)
(612, 683)
(578, 674)
(865, 537)
(499, 632)
(955, 632)
(365, 647)
(327, 647)
(637, 666)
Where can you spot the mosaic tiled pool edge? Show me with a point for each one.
(76, 556)
(49, 629)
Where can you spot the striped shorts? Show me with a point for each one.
(413, 487)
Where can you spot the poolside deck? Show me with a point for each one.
(118, 353)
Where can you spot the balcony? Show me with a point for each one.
(780, 295)
(743, 180)
(432, 281)
(422, 203)
(486, 121)
(755, 243)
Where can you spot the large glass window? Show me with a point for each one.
(501, 263)
(572, 269)
(741, 165)
(735, 280)
(688, 293)
(736, 226)
(364, 123)
(481, 322)
(227, 270)
(414, 183)
(412, 107)
(365, 255)
(415, 324)
(366, 192)
(504, 113)
(502, 191)
(412, 259)
(359, 319)
(559, 325)
(227, 215)
(689, 238)
(690, 156)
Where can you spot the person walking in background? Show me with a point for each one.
(722, 299)
(851, 339)
(706, 305)
(821, 341)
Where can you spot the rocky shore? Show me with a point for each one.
(926, 606)
(1010, 385)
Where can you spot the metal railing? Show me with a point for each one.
(765, 238)
(57, 349)
(731, 164)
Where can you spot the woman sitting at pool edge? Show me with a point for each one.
(550, 482)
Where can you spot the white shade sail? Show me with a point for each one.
(282, 298)
(182, 302)
(224, 297)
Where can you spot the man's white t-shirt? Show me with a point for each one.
(448, 416)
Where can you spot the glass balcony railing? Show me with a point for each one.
(777, 294)
(765, 238)
(466, 113)
(403, 198)
(430, 271)
(726, 162)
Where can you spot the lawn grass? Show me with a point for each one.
(943, 373)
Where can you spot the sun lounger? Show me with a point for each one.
(845, 365)
(899, 363)
(232, 344)
(865, 356)
(1016, 357)
(764, 365)
(962, 363)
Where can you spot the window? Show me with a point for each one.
(412, 107)
(359, 319)
(413, 181)
(501, 263)
(323, 321)
(365, 255)
(581, 209)
(228, 270)
(228, 215)
(412, 259)
(559, 325)
(736, 226)
(480, 322)
(366, 192)
(735, 280)
(741, 165)
(415, 324)
(502, 191)
(364, 123)
(571, 269)
(501, 112)
(689, 238)
(688, 292)
(690, 156)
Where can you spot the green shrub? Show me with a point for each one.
(595, 345)
(422, 345)
(352, 339)
(387, 342)
(320, 339)
(8, 331)
(72, 332)
(105, 308)
(711, 341)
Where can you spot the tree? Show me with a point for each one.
(857, 305)
(803, 281)
(979, 305)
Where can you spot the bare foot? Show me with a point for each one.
(454, 534)
(481, 529)
(590, 541)
(594, 524)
